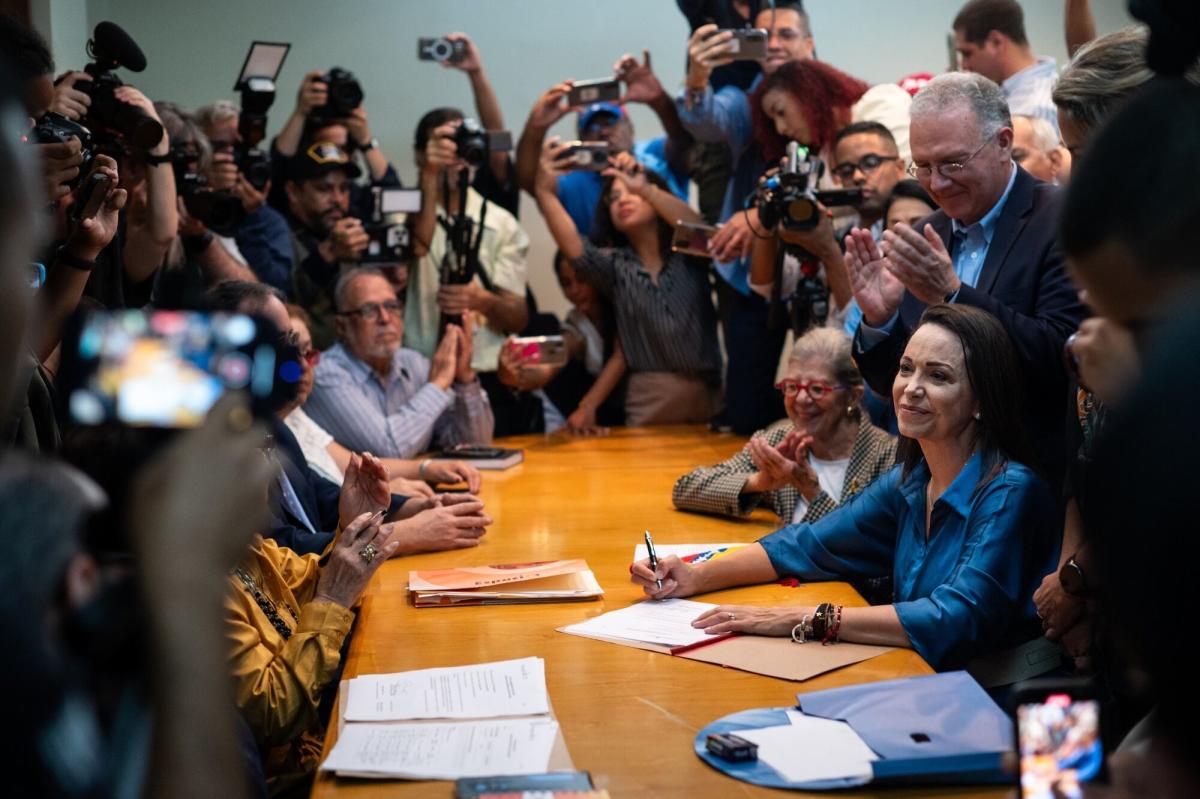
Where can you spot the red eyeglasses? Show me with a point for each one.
(311, 356)
(816, 389)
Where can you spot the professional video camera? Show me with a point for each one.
(390, 241)
(55, 128)
(345, 94)
(111, 120)
(475, 144)
(257, 86)
(790, 196)
(219, 210)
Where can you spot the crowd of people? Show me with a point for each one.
(981, 423)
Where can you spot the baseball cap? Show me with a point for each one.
(319, 159)
(587, 115)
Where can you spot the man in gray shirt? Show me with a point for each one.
(373, 395)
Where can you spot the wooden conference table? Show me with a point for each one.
(628, 716)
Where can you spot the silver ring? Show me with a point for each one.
(368, 552)
(731, 616)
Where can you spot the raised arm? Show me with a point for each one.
(486, 104)
(561, 226)
(151, 233)
(549, 108)
(671, 208)
(643, 86)
(1080, 24)
(313, 93)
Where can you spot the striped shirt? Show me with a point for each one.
(665, 326)
(1029, 91)
(399, 417)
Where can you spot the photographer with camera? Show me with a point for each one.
(329, 108)
(608, 122)
(471, 255)
(263, 237)
(326, 239)
(495, 177)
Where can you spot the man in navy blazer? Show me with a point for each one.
(992, 245)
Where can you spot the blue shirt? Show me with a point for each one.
(724, 116)
(579, 192)
(399, 417)
(265, 241)
(964, 592)
(969, 244)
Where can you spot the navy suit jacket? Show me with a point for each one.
(1024, 284)
(318, 497)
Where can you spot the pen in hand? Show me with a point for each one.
(653, 559)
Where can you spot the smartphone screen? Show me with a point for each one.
(167, 368)
(1058, 740)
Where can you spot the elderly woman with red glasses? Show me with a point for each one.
(804, 466)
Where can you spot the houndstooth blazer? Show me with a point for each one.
(717, 489)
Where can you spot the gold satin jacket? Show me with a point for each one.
(279, 683)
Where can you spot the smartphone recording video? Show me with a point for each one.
(540, 350)
(692, 239)
(166, 369)
(1058, 738)
(601, 90)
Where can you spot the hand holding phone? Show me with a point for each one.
(1058, 737)
(691, 239)
(601, 90)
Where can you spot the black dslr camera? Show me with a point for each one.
(219, 210)
(390, 242)
(257, 86)
(475, 144)
(345, 95)
(111, 120)
(790, 196)
(55, 128)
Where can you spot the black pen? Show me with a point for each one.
(653, 558)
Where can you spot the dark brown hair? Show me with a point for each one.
(604, 232)
(995, 378)
(978, 18)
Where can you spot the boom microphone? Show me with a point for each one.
(110, 43)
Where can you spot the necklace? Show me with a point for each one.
(266, 604)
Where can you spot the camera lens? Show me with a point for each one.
(440, 50)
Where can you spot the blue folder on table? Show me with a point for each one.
(940, 728)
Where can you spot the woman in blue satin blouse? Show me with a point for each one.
(963, 526)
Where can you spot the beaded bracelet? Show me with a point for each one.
(833, 630)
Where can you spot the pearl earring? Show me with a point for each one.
(978, 415)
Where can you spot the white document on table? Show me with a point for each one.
(811, 749)
(444, 751)
(667, 622)
(478, 691)
(680, 550)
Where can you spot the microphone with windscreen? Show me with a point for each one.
(112, 121)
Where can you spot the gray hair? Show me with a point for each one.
(182, 127)
(213, 114)
(830, 345)
(347, 277)
(1045, 138)
(972, 90)
(1103, 73)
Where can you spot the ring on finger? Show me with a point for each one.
(731, 616)
(368, 552)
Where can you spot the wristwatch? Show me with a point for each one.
(370, 145)
(1072, 579)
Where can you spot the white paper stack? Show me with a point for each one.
(501, 723)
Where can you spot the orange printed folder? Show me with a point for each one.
(547, 581)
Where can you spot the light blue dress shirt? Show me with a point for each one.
(967, 589)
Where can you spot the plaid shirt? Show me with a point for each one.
(718, 489)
